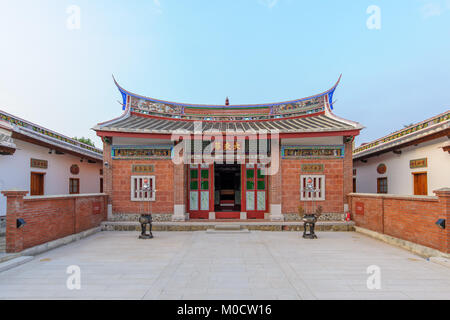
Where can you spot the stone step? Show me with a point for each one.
(225, 231)
(227, 227)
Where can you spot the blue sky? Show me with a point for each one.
(201, 51)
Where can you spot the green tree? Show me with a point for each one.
(84, 140)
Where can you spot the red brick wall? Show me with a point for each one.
(121, 187)
(334, 189)
(373, 212)
(50, 218)
(410, 218)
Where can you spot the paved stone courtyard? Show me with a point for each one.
(256, 265)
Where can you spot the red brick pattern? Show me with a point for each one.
(275, 186)
(121, 187)
(408, 218)
(50, 218)
(179, 183)
(348, 170)
(334, 191)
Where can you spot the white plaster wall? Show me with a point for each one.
(399, 174)
(15, 172)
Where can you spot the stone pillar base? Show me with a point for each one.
(179, 213)
(275, 213)
(243, 215)
(212, 216)
(110, 212)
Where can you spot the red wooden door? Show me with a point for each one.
(254, 191)
(200, 195)
(37, 184)
(420, 184)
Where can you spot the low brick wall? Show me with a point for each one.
(411, 218)
(49, 218)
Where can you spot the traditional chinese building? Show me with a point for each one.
(44, 162)
(412, 161)
(258, 161)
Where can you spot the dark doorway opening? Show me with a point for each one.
(227, 188)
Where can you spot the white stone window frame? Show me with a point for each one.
(143, 196)
(320, 195)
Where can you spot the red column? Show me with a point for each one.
(14, 209)
(444, 201)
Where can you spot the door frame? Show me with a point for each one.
(414, 174)
(200, 214)
(42, 174)
(253, 214)
(228, 214)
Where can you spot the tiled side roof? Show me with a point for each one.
(403, 135)
(49, 136)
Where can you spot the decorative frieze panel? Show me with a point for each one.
(39, 164)
(142, 168)
(314, 167)
(314, 103)
(141, 152)
(418, 163)
(248, 147)
(150, 106)
(312, 152)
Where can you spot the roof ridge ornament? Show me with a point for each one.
(329, 93)
(227, 101)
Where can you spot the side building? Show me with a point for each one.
(411, 161)
(152, 162)
(45, 162)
